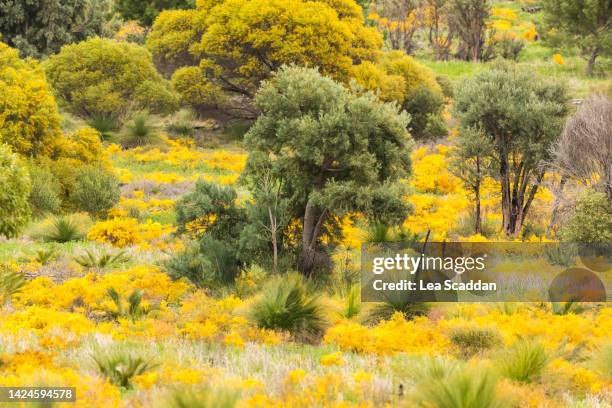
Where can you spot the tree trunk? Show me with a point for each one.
(507, 222)
(273, 227)
(591, 61)
(313, 222)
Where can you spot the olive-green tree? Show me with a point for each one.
(471, 163)
(522, 115)
(336, 152)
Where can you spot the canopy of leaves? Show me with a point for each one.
(515, 109)
(339, 150)
(29, 120)
(41, 28)
(15, 189)
(591, 221)
(101, 77)
(145, 11)
(226, 48)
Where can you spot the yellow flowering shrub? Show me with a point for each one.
(119, 232)
(558, 59)
(389, 337)
(29, 119)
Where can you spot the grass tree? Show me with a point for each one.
(336, 152)
(521, 114)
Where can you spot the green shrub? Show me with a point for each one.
(106, 78)
(188, 264)
(15, 188)
(121, 366)
(100, 260)
(424, 106)
(435, 127)
(221, 259)
(96, 190)
(286, 304)
(45, 197)
(464, 389)
(214, 206)
(591, 221)
(525, 361)
(141, 130)
(474, 340)
(62, 228)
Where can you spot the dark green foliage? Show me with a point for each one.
(591, 221)
(121, 366)
(141, 130)
(190, 264)
(424, 107)
(45, 197)
(96, 190)
(286, 304)
(473, 340)
(145, 11)
(222, 260)
(214, 206)
(41, 28)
